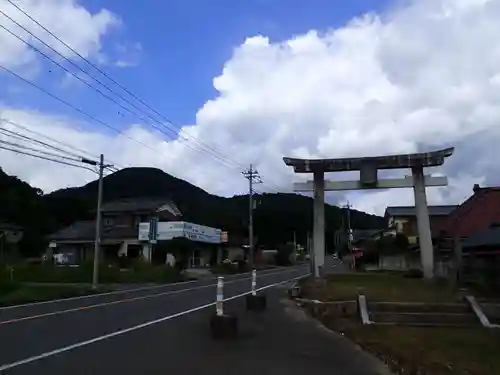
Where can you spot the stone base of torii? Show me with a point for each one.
(368, 168)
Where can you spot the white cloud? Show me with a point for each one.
(71, 22)
(423, 76)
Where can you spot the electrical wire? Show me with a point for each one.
(40, 151)
(104, 73)
(12, 134)
(46, 158)
(79, 110)
(171, 131)
(224, 161)
(83, 152)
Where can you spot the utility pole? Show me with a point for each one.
(253, 177)
(349, 233)
(97, 240)
(349, 230)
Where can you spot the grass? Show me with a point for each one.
(14, 293)
(83, 274)
(409, 350)
(429, 351)
(391, 287)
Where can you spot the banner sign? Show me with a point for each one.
(173, 229)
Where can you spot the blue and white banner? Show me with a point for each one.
(172, 229)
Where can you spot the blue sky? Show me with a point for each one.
(185, 44)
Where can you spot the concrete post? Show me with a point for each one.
(219, 255)
(319, 222)
(146, 252)
(423, 223)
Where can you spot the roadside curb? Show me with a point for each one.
(295, 312)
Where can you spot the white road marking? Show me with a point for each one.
(151, 287)
(134, 328)
(131, 299)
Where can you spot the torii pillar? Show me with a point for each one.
(368, 168)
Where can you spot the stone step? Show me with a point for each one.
(424, 318)
(426, 325)
(417, 307)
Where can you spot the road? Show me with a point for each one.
(164, 329)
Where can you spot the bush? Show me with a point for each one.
(414, 274)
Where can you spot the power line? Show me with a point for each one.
(64, 144)
(171, 133)
(79, 110)
(217, 154)
(105, 74)
(40, 151)
(12, 134)
(224, 160)
(45, 158)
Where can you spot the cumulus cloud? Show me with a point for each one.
(71, 22)
(423, 76)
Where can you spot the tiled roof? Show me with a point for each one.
(411, 210)
(78, 231)
(9, 226)
(141, 204)
(85, 231)
(475, 214)
(487, 237)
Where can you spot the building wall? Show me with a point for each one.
(399, 262)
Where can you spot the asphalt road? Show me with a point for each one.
(37, 329)
(165, 330)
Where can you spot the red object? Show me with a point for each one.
(475, 214)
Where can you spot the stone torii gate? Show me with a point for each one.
(368, 168)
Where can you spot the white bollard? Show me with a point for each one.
(220, 296)
(254, 282)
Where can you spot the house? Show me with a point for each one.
(119, 233)
(476, 214)
(10, 235)
(403, 219)
(474, 225)
(481, 256)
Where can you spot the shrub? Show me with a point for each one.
(414, 274)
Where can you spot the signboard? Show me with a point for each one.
(174, 229)
(153, 229)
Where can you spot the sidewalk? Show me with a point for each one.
(284, 340)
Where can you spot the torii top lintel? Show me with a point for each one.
(424, 159)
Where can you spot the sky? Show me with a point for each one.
(204, 89)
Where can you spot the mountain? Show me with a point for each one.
(276, 216)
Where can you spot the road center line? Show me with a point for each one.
(125, 300)
(131, 329)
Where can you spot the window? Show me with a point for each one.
(108, 221)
